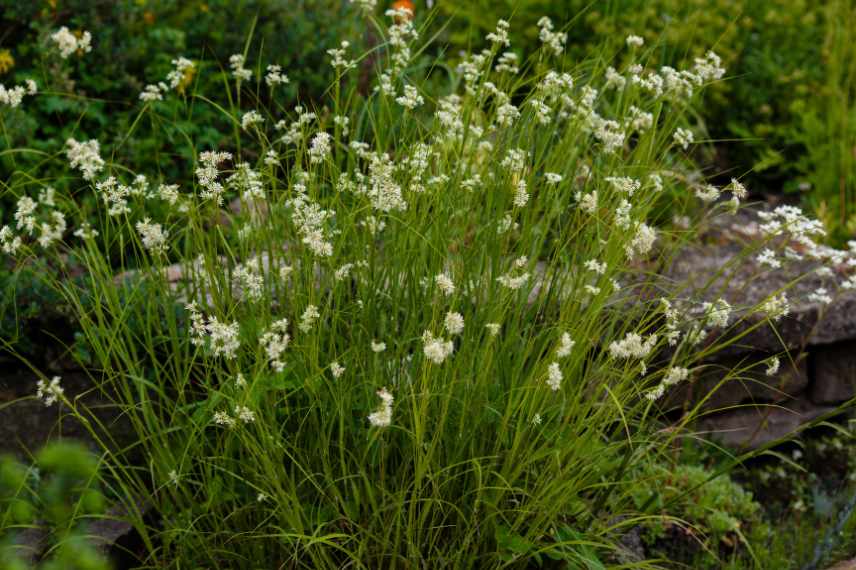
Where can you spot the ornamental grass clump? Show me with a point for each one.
(391, 331)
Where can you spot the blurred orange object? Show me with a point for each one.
(405, 5)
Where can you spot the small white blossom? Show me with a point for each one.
(768, 257)
(153, 235)
(275, 76)
(49, 392)
(554, 376)
(454, 323)
(635, 41)
(773, 366)
(68, 43)
(239, 72)
(436, 349)
(566, 344)
(383, 416)
(633, 346)
(683, 137)
(310, 315)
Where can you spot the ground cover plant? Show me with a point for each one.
(400, 328)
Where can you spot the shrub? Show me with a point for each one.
(784, 119)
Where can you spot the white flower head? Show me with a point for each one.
(554, 376)
(382, 417)
(49, 392)
(454, 323)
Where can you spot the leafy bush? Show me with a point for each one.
(98, 93)
(784, 118)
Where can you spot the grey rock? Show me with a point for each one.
(834, 373)
(753, 426)
(733, 381)
(717, 266)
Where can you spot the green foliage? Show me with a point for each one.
(786, 116)
(58, 494)
(711, 514)
(98, 94)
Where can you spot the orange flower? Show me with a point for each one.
(404, 5)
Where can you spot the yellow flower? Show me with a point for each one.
(7, 62)
(186, 79)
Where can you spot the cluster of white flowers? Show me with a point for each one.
(716, 314)
(383, 416)
(411, 98)
(207, 174)
(508, 62)
(367, 6)
(85, 156)
(182, 73)
(445, 284)
(248, 279)
(521, 195)
(624, 184)
(773, 366)
(436, 349)
(642, 242)
(222, 418)
(68, 42)
(820, 296)
(707, 192)
(500, 36)
(153, 235)
(776, 306)
(294, 131)
(336, 369)
(552, 178)
(633, 345)
(684, 137)
(49, 392)
(768, 257)
(309, 218)
(245, 414)
(274, 76)
(554, 376)
(635, 41)
(341, 63)
(516, 277)
(220, 338)
(9, 242)
(307, 320)
(587, 201)
(13, 96)
(275, 342)
(319, 147)
(553, 40)
(48, 226)
(114, 195)
(673, 375)
(454, 323)
(251, 118)
(239, 72)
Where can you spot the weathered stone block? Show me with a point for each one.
(834, 373)
(754, 426)
(714, 386)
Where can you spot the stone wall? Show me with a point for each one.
(816, 342)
